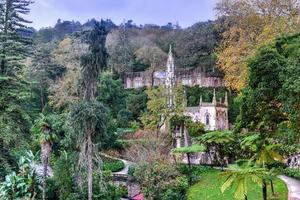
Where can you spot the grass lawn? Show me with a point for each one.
(209, 189)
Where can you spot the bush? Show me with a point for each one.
(196, 169)
(63, 176)
(161, 181)
(195, 172)
(131, 170)
(294, 173)
(107, 190)
(113, 165)
(123, 118)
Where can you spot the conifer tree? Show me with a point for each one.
(14, 45)
(14, 119)
(89, 117)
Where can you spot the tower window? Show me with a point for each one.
(207, 120)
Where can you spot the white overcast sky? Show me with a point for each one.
(45, 13)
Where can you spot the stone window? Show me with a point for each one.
(207, 120)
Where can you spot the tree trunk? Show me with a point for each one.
(190, 168)
(32, 187)
(246, 197)
(189, 160)
(46, 154)
(174, 157)
(264, 190)
(90, 167)
(42, 97)
(272, 187)
(209, 154)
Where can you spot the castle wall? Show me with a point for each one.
(222, 118)
(210, 111)
(201, 113)
(184, 77)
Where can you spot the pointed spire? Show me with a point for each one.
(214, 101)
(201, 101)
(226, 99)
(184, 98)
(170, 77)
(170, 62)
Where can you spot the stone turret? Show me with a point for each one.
(201, 100)
(170, 78)
(226, 99)
(214, 101)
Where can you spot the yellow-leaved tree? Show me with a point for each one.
(247, 25)
(158, 113)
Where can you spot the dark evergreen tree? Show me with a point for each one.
(14, 47)
(43, 71)
(89, 117)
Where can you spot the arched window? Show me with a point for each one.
(207, 120)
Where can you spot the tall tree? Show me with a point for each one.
(44, 71)
(44, 132)
(272, 96)
(89, 117)
(121, 50)
(158, 113)
(248, 25)
(14, 46)
(14, 43)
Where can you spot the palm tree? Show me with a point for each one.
(218, 140)
(43, 130)
(265, 154)
(242, 176)
(188, 151)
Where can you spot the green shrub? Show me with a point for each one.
(63, 176)
(131, 170)
(195, 173)
(294, 173)
(113, 165)
(196, 169)
(161, 181)
(107, 190)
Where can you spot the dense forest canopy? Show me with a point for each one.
(144, 46)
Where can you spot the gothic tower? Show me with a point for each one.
(170, 79)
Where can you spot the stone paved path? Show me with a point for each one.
(126, 164)
(126, 167)
(293, 187)
(133, 189)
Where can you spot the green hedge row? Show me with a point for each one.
(113, 165)
(294, 173)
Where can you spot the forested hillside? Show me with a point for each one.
(135, 48)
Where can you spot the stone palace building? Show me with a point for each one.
(188, 77)
(214, 114)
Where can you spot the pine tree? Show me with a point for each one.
(14, 118)
(89, 117)
(14, 45)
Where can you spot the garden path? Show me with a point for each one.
(293, 187)
(124, 171)
(133, 188)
